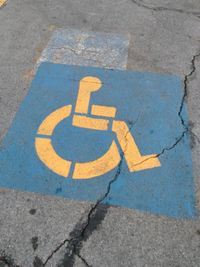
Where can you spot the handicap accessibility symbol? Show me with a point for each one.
(81, 118)
(72, 133)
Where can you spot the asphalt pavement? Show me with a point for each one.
(39, 228)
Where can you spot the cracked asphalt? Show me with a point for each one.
(38, 230)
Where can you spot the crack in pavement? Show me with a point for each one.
(186, 129)
(186, 80)
(185, 126)
(82, 232)
(83, 52)
(178, 140)
(161, 8)
(98, 211)
(55, 250)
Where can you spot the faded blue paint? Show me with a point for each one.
(87, 48)
(150, 100)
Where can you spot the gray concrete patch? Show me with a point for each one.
(162, 41)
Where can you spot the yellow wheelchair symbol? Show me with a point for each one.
(81, 118)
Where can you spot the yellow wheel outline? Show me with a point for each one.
(82, 170)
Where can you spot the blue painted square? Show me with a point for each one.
(151, 101)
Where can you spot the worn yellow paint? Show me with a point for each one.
(3, 3)
(51, 121)
(50, 158)
(103, 111)
(87, 85)
(135, 161)
(99, 166)
(90, 123)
